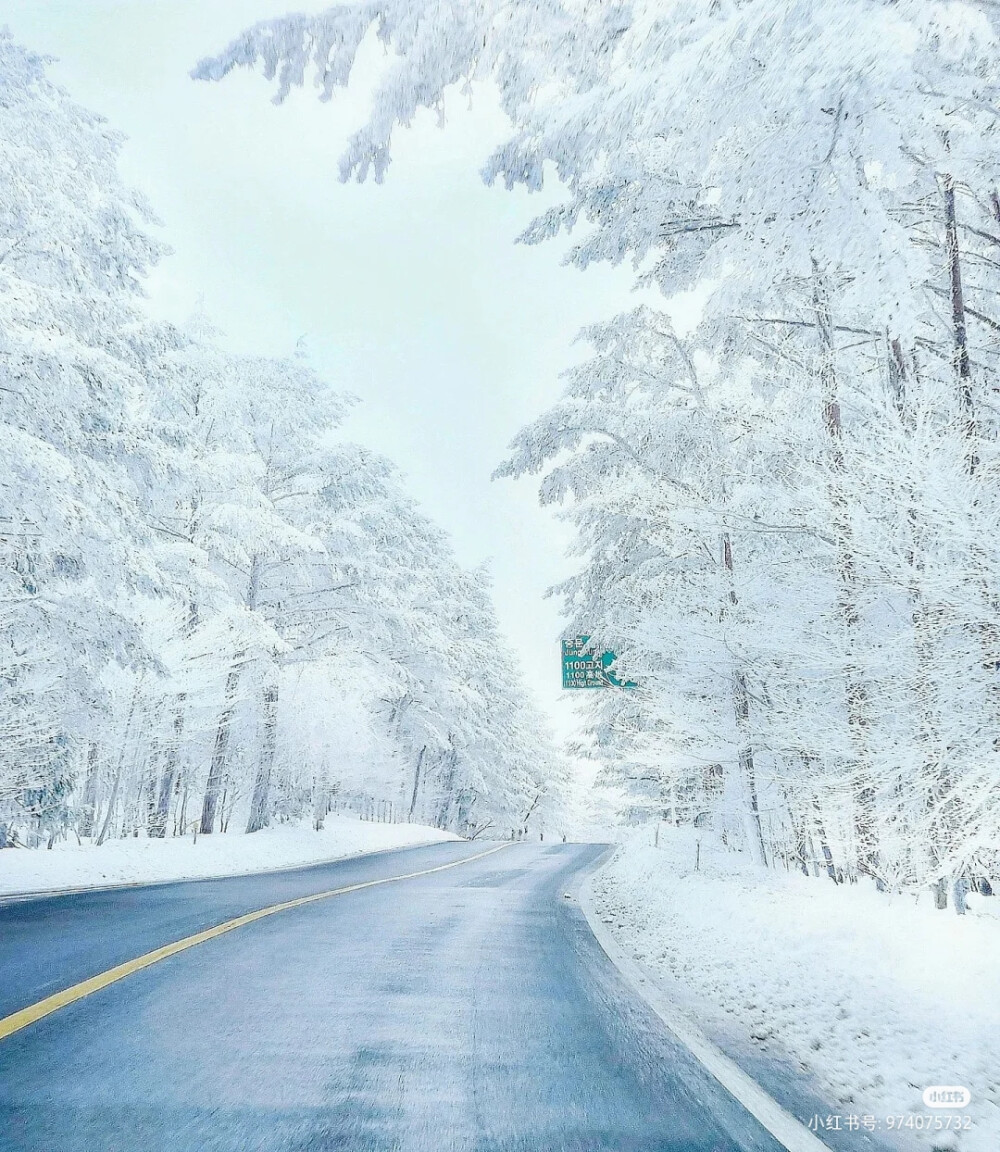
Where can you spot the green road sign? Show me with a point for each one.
(585, 669)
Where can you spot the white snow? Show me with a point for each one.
(141, 860)
(876, 997)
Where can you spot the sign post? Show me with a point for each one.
(585, 669)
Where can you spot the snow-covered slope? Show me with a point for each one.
(873, 997)
(135, 861)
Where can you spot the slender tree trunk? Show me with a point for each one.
(151, 793)
(741, 708)
(989, 632)
(448, 791)
(858, 698)
(89, 806)
(824, 843)
(960, 340)
(935, 766)
(948, 818)
(927, 617)
(321, 797)
(416, 781)
(181, 824)
(260, 813)
(158, 824)
(897, 377)
(531, 809)
(119, 768)
(798, 833)
(741, 696)
(220, 750)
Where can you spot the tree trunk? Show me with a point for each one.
(321, 797)
(989, 634)
(447, 791)
(927, 618)
(741, 708)
(960, 340)
(158, 824)
(416, 781)
(181, 820)
(150, 790)
(220, 751)
(936, 769)
(168, 781)
(824, 844)
(119, 767)
(88, 815)
(260, 813)
(798, 834)
(856, 691)
(897, 377)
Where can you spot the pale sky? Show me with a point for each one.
(411, 295)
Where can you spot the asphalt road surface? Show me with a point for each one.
(469, 1010)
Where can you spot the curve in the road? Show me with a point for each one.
(463, 1010)
(41, 1008)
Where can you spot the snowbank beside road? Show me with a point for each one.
(873, 997)
(137, 861)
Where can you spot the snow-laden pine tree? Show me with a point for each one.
(472, 752)
(74, 249)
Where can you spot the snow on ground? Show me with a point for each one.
(71, 865)
(875, 997)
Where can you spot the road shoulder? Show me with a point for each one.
(28, 873)
(787, 1129)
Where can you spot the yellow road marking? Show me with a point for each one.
(18, 1020)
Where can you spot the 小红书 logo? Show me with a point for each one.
(947, 1096)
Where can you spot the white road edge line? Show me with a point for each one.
(791, 1133)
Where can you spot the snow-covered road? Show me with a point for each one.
(468, 1009)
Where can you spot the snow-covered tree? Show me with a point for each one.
(73, 344)
(212, 608)
(787, 526)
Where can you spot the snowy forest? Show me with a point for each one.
(216, 612)
(786, 512)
